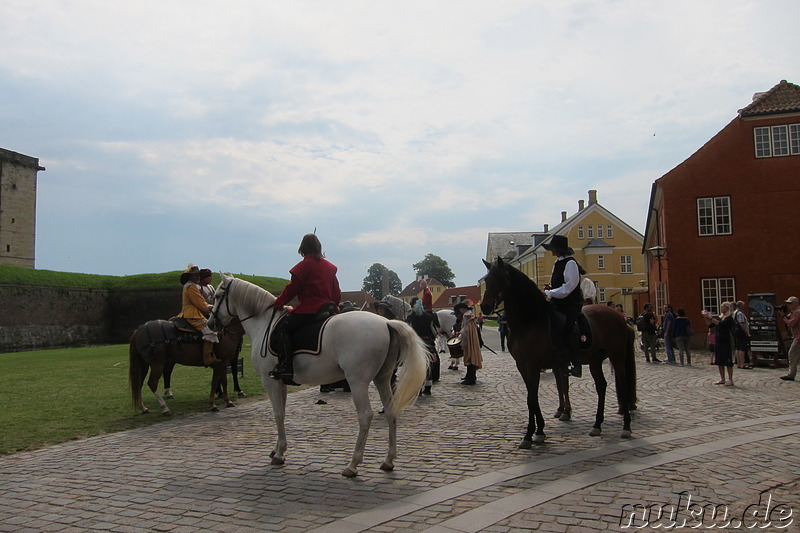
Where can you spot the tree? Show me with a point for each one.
(434, 266)
(374, 282)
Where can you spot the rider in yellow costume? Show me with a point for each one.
(195, 309)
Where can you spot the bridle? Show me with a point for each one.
(222, 295)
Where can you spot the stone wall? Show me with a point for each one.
(47, 317)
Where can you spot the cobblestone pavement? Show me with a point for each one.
(696, 448)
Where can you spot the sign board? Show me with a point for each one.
(763, 325)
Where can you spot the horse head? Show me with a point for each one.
(497, 282)
(221, 312)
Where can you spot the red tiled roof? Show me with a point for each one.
(783, 98)
(471, 292)
(358, 298)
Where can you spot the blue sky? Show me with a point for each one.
(219, 133)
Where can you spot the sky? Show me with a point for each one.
(219, 133)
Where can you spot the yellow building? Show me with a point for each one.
(605, 246)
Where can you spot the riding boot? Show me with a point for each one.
(287, 366)
(208, 353)
(470, 378)
(575, 369)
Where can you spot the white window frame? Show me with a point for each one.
(761, 139)
(610, 231)
(590, 232)
(601, 295)
(580, 232)
(661, 296)
(714, 291)
(780, 140)
(599, 231)
(714, 216)
(626, 264)
(601, 262)
(794, 139)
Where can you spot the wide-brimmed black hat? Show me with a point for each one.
(190, 271)
(559, 244)
(386, 307)
(460, 305)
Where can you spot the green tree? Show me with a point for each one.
(434, 266)
(373, 283)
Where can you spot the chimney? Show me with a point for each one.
(580, 205)
(546, 228)
(592, 197)
(563, 216)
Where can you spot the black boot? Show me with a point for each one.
(470, 378)
(284, 370)
(575, 364)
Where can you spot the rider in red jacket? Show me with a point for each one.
(314, 284)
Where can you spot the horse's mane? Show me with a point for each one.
(252, 297)
(400, 307)
(525, 291)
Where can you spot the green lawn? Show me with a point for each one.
(53, 396)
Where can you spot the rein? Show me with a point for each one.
(264, 345)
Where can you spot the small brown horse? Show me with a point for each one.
(526, 310)
(184, 353)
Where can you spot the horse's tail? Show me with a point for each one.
(630, 367)
(413, 364)
(135, 377)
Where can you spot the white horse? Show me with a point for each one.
(357, 346)
(447, 319)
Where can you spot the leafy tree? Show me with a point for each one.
(434, 266)
(373, 283)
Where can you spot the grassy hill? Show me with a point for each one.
(12, 275)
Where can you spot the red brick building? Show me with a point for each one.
(723, 223)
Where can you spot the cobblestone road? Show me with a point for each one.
(695, 446)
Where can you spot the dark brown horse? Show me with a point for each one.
(526, 310)
(185, 353)
(234, 330)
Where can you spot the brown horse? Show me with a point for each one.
(526, 310)
(189, 353)
(235, 330)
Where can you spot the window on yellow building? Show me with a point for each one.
(580, 232)
(599, 232)
(610, 231)
(626, 264)
(601, 262)
(590, 231)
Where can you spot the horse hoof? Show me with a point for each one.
(558, 413)
(277, 461)
(145, 411)
(525, 444)
(626, 434)
(214, 409)
(565, 417)
(387, 467)
(166, 413)
(169, 396)
(349, 472)
(538, 439)
(241, 394)
(595, 432)
(230, 404)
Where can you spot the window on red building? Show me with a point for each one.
(714, 216)
(716, 291)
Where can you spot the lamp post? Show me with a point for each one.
(658, 252)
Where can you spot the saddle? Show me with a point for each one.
(308, 338)
(556, 320)
(155, 332)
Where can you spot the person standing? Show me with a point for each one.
(502, 329)
(421, 321)
(315, 285)
(792, 321)
(470, 342)
(565, 294)
(683, 330)
(195, 309)
(669, 333)
(723, 351)
(741, 335)
(648, 329)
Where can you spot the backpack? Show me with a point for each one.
(642, 323)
